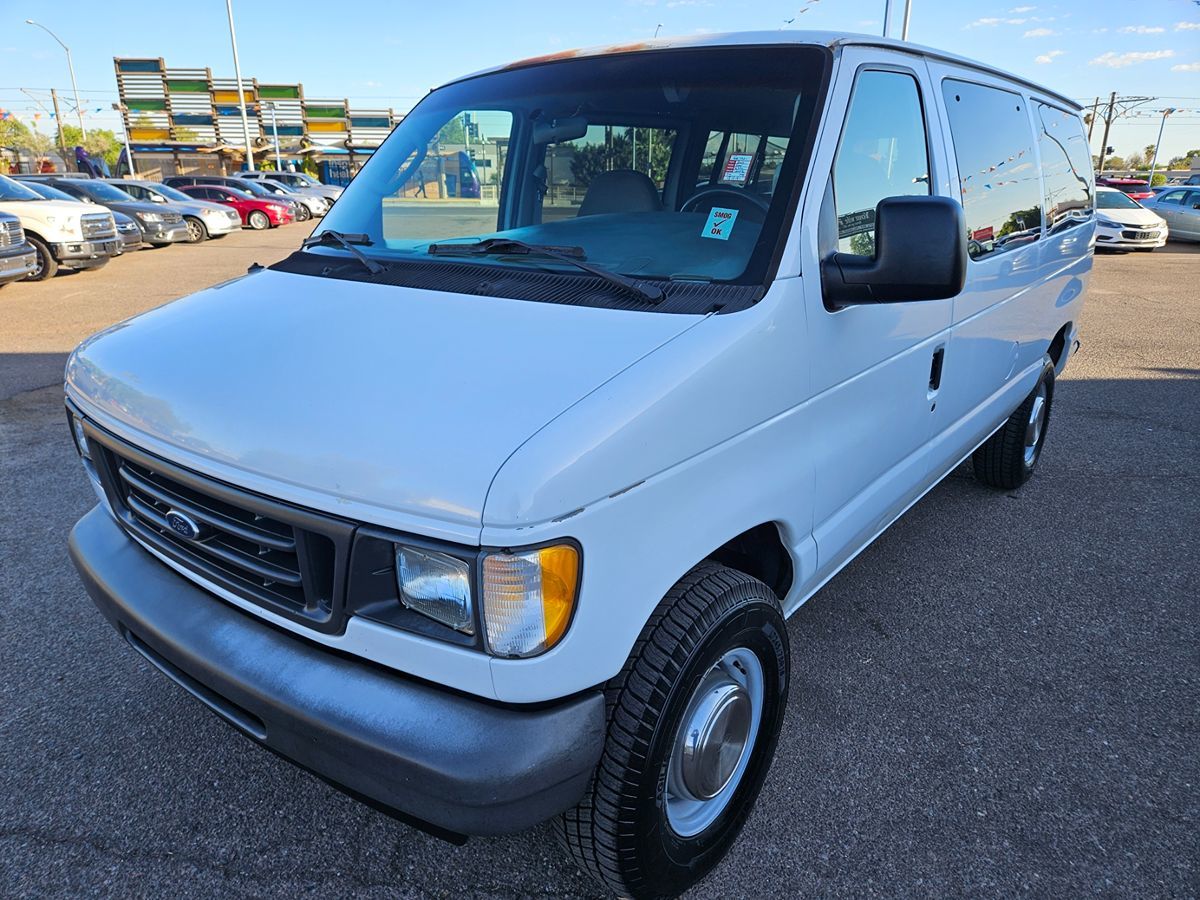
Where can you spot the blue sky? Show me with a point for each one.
(389, 53)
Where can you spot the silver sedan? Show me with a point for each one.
(1180, 207)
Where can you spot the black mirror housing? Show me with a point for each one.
(920, 254)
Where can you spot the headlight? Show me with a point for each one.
(277, 208)
(81, 441)
(528, 598)
(149, 216)
(436, 585)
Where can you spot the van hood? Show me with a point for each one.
(354, 397)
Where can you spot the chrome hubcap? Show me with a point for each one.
(1037, 421)
(713, 744)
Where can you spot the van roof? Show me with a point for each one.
(831, 39)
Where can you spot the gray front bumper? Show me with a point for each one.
(16, 266)
(457, 762)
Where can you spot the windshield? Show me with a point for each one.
(675, 163)
(46, 192)
(251, 186)
(273, 188)
(11, 190)
(1115, 200)
(169, 192)
(102, 191)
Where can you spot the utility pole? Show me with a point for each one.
(62, 135)
(125, 132)
(1157, 144)
(1092, 120)
(1117, 107)
(237, 71)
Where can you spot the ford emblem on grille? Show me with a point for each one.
(184, 526)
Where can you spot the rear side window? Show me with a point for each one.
(1175, 197)
(883, 153)
(997, 172)
(1066, 168)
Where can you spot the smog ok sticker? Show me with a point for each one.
(719, 224)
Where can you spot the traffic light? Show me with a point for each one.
(1109, 151)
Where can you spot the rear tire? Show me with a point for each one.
(47, 265)
(662, 810)
(258, 220)
(196, 230)
(303, 213)
(1007, 459)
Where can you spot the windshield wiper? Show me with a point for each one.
(572, 255)
(346, 242)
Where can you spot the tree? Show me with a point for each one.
(1182, 162)
(1133, 161)
(1148, 152)
(1114, 162)
(453, 132)
(100, 142)
(20, 136)
(592, 159)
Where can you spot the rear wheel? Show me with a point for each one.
(196, 230)
(693, 718)
(1008, 457)
(258, 220)
(46, 265)
(303, 213)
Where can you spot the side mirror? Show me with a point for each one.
(920, 254)
(158, 198)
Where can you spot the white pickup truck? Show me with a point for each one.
(62, 236)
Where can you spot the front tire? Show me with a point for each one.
(196, 230)
(303, 213)
(693, 719)
(47, 265)
(258, 220)
(1007, 459)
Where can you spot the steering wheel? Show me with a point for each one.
(754, 206)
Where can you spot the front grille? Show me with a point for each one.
(97, 226)
(286, 559)
(171, 218)
(11, 233)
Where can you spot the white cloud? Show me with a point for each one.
(1022, 9)
(1186, 67)
(1047, 58)
(1038, 32)
(1121, 60)
(992, 21)
(1143, 29)
(1187, 26)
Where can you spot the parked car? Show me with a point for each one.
(127, 229)
(495, 515)
(1123, 222)
(17, 257)
(159, 226)
(63, 235)
(313, 206)
(255, 212)
(204, 220)
(1180, 209)
(1135, 188)
(300, 182)
(238, 184)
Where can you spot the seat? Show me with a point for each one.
(620, 191)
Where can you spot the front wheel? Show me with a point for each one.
(1008, 457)
(258, 220)
(303, 213)
(693, 719)
(45, 265)
(196, 230)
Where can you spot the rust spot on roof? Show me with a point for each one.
(549, 57)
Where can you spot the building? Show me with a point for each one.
(185, 121)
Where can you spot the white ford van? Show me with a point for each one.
(489, 503)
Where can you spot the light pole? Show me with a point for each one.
(275, 137)
(71, 67)
(125, 132)
(237, 71)
(887, 15)
(907, 16)
(1157, 144)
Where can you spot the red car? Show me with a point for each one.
(1135, 188)
(256, 213)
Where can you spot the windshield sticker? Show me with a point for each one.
(719, 224)
(737, 168)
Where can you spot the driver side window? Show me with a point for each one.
(883, 152)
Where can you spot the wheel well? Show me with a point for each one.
(760, 552)
(1059, 344)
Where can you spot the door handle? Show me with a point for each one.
(935, 370)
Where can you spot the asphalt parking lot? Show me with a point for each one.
(999, 697)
